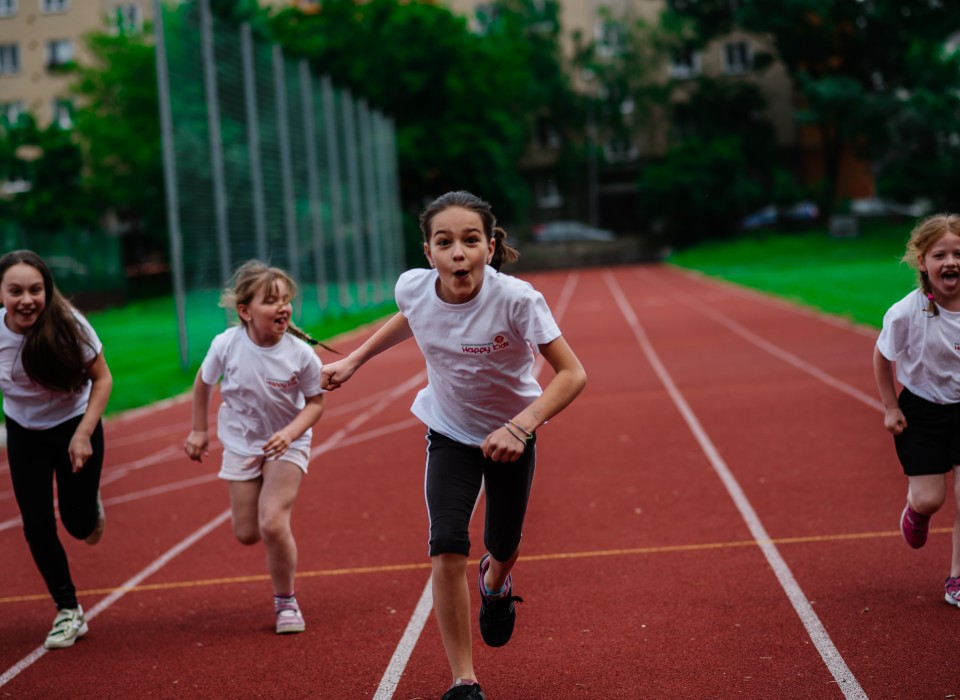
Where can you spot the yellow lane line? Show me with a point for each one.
(526, 557)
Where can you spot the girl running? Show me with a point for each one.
(920, 343)
(271, 398)
(55, 385)
(479, 331)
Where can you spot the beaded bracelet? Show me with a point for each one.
(522, 441)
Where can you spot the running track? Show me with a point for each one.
(714, 517)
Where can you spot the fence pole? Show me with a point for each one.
(356, 205)
(286, 167)
(336, 194)
(313, 184)
(374, 235)
(253, 140)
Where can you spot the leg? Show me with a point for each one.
(955, 560)
(452, 485)
(451, 603)
(508, 492)
(77, 491)
(32, 455)
(927, 493)
(244, 500)
(281, 481)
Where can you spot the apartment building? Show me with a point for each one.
(39, 37)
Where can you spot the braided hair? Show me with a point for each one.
(253, 276)
(503, 252)
(927, 232)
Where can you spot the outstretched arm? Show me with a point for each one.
(503, 445)
(199, 439)
(394, 331)
(893, 418)
(80, 448)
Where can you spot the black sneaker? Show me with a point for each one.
(497, 615)
(464, 692)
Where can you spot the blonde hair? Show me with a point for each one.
(248, 280)
(927, 232)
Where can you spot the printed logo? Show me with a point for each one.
(500, 342)
(283, 384)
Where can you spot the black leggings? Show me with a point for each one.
(36, 457)
(454, 475)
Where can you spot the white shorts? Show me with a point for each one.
(237, 467)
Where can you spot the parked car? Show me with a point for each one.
(771, 215)
(570, 231)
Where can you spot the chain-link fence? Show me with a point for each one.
(265, 160)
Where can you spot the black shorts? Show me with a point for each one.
(931, 442)
(452, 485)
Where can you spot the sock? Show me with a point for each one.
(280, 601)
(500, 593)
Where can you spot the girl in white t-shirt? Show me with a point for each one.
(271, 398)
(920, 346)
(479, 332)
(55, 385)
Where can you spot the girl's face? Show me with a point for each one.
(267, 316)
(460, 250)
(941, 262)
(24, 296)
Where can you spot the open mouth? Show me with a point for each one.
(461, 274)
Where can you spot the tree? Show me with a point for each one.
(852, 62)
(463, 102)
(117, 124)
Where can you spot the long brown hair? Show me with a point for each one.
(927, 232)
(249, 279)
(503, 252)
(53, 352)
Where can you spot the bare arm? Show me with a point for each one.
(281, 440)
(570, 378)
(893, 418)
(80, 448)
(198, 440)
(394, 331)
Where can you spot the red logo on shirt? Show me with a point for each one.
(283, 384)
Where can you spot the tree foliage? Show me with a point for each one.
(463, 101)
(859, 66)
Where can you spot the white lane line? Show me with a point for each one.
(818, 634)
(187, 542)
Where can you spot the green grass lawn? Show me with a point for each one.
(140, 345)
(856, 278)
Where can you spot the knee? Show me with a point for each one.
(246, 534)
(449, 567)
(274, 525)
(927, 503)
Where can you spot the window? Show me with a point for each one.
(126, 18)
(546, 134)
(9, 59)
(548, 194)
(684, 63)
(54, 5)
(738, 57)
(611, 39)
(11, 111)
(59, 52)
(8, 8)
(62, 113)
(484, 16)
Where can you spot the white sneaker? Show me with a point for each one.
(289, 618)
(68, 626)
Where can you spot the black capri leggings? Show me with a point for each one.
(454, 474)
(36, 458)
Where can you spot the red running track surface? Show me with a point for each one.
(715, 517)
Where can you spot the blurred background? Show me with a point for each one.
(312, 132)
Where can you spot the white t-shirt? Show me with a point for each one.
(263, 388)
(479, 354)
(31, 405)
(926, 348)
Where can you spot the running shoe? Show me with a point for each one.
(497, 614)
(914, 527)
(68, 626)
(464, 691)
(97, 533)
(952, 587)
(289, 618)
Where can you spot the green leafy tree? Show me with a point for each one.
(853, 62)
(464, 102)
(117, 124)
(49, 163)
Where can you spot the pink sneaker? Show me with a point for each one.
(914, 527)
(952, 587)
(289, 617)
